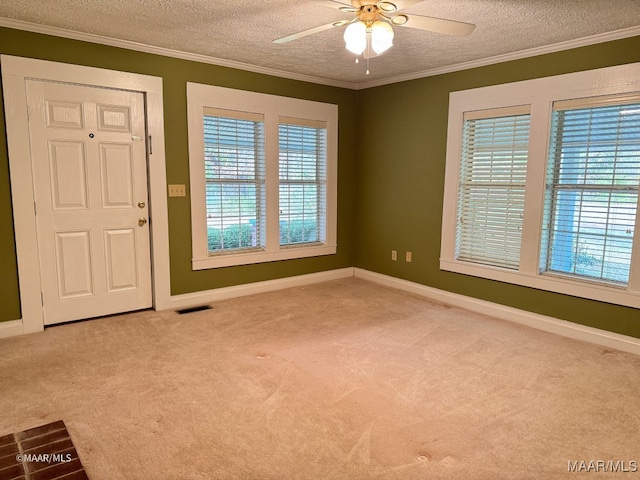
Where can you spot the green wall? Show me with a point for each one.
(390, 179)
(175, 74)
(400, 185)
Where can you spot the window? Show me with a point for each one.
(592, 191)
(303, 146)
(263, 177)
(491, 191)
(234, 175)
(541, 185)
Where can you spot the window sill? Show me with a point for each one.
(230, 259)
(553, 283)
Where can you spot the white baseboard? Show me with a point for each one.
(208, 296)
(535, 320)
(522, 317)
(11, 328)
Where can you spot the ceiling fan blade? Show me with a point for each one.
(433, 24)
(333, 3)
(310, 31)
(400, 4)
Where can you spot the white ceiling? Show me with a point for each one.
(240, 32)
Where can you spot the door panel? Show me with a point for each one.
(113, 118)
(64, 114)
(73, 258)
(68, 167)
(90, 182)
(120, 246)
(116, 165)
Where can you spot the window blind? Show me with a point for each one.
(491, 188)
(234, 174)
(302, 167)
(592, 190)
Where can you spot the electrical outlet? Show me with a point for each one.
(177, 191)
(407, 257)
(394, 255)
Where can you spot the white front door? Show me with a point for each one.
(90, 185)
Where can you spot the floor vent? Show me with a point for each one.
(194, 309)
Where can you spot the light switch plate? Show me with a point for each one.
(177, 191)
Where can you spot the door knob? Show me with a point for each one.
(142, 221)
(141, 204)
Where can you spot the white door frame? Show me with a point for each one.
(15, 72)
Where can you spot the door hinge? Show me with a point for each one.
(35, 209)
(42, 298)
(150, 145)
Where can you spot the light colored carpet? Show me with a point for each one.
(339, 380)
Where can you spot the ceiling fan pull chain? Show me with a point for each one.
(368, 52)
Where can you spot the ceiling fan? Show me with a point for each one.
(369, 32)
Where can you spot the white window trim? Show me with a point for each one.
(272, 107)
(539, 94)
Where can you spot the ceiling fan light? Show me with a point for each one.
(387, 7)
(399, 19)
(355, 37)
(381, 36)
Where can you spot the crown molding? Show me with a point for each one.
(166, 52)
(531, 52)
(141, 47)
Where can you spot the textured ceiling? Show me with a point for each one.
(242, 30)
